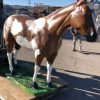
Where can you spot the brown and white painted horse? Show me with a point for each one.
(44, 35)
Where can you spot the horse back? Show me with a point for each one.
(15, 24)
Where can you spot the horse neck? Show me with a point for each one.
(57, 18)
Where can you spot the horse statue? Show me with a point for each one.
(44, 35)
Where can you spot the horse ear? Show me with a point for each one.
(80, 2)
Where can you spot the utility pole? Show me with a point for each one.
(29, 3)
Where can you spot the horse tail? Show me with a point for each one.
(8, 38)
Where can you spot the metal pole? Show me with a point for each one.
(1, 13)
(29, 3)
(1, 22)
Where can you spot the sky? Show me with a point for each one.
(47, 2)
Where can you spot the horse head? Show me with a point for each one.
(82, 19)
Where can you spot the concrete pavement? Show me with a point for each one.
(81, 70)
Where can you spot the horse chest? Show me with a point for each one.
(50, 49)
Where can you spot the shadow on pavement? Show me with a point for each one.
(80, 88)
(90, 53)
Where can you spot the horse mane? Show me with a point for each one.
(56, 11)
(81, 2)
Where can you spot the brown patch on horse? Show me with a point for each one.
(9, 42)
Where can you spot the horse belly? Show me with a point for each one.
(23, 42)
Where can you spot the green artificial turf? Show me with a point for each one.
(24, 78)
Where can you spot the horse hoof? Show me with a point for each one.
(13, 73)
(34, 85)
(50, 85)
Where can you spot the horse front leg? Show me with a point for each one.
(10, 45)
(9, 55)
(38, 60)
(50, 61)
(15, 52)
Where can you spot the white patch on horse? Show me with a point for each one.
(7, 26)
(9, 55)
(29, 22)
(34, 44)
(23, 42)
(16, 27)
(2, 98)
(37, 52)
(15, 56)
(49, 69)
(37, 25)
(36, 70)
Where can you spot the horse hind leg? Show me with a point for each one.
(15, 53)
(9, 42)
